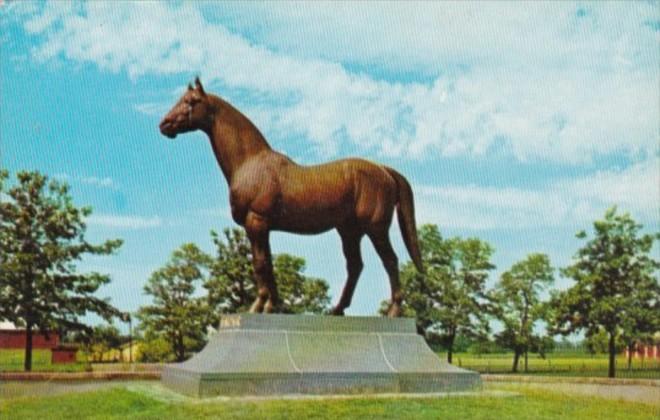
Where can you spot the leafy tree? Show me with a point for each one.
(485, 346)
(177, 314)
(231, 283)
(461, 342)
(100, 340)
(42, 235)
(181, 315)
(450, 298)
(518, 305)
(641, 324)
(299, 293)
(157, 349)
(598, 342)
(615, 288)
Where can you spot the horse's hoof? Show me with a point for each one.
(394, 311)
(272, 308)
(337, 311)
(257, 307)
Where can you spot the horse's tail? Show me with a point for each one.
(405, 211)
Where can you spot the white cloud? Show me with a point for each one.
(101, 182)
(539, 84)
(568, 202)
(152, 109)
(124, 222)
(220, 212)
(434, 36)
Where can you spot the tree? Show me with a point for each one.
(231, 283)
(101, 340)
(299, 293)
(42, 235)
(518, 306)
(615, 284)
(598, 342)
(450, 298)
(155, 350)
(178, 314)
(641, 324)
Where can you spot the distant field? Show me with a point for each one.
(11, 360)
(570, 364)
(564, 364)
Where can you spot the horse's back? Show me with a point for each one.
(345, 191)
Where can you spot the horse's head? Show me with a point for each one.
(192, 112)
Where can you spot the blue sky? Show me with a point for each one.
(518, 125)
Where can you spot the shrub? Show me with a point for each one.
(155, 350)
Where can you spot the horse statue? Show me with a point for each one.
(268, 191)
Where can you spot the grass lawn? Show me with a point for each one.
(136, 403)
(560, 364)
(11, 360)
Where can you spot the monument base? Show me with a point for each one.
(255, 354)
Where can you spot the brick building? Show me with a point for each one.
(14, 338)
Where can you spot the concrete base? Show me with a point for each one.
(255, 354)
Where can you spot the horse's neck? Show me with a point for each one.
(235, 140)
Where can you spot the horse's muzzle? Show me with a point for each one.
(167, 129)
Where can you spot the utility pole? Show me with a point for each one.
(130, 339)
(126, 317)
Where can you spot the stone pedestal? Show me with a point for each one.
(255, 354)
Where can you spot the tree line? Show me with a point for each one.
(614, 294)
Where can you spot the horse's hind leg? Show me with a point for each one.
(381, 240)
(351, 246)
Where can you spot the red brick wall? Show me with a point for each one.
(15, 339)
(63, 355)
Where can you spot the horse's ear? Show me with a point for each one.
(199, 86)
(190, 86)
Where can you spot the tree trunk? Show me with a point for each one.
(523, 333)
(450, 348)
(180, 350)
(526, 354)
(631, 346)
(612, 351)
(27, 363)
(516, 358)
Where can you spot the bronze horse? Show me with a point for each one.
(268, 191)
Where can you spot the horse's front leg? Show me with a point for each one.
(258, 230)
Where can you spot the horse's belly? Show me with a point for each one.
(307, 221)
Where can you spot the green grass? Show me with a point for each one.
(122, 402)
(11, 360)
(566, 364)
